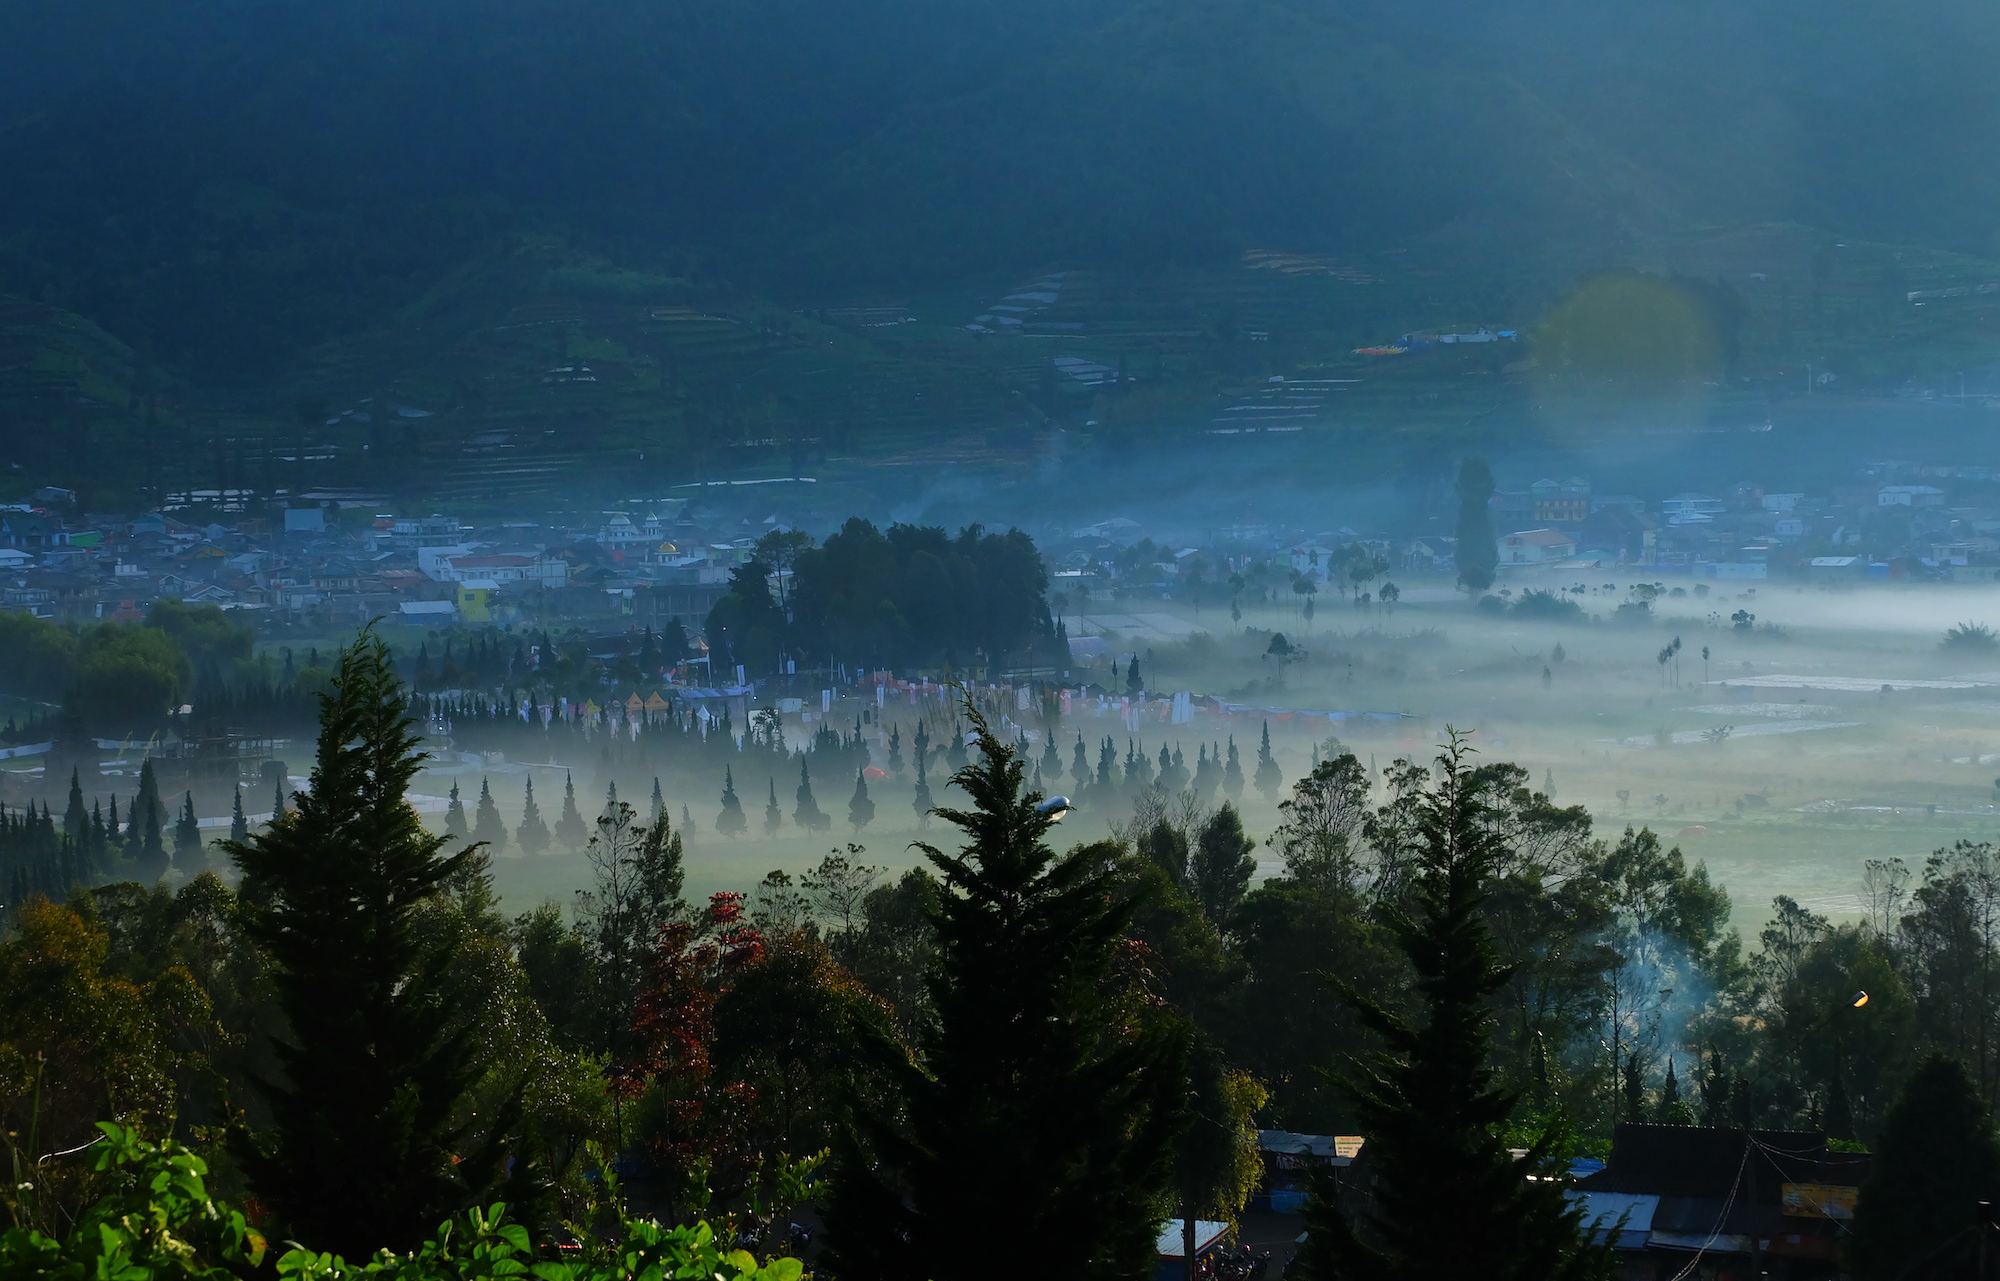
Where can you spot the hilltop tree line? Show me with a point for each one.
(913, 596)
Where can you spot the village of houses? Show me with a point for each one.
(327, 563)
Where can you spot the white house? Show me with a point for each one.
(433, 561)
(1536, 547)
(503, 567)
(1690, 509)
(1909, 496)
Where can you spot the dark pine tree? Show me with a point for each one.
(923, 804)
(487, 828)
(1066, 1136)
(76, 819)
(239, 826)
(1232, 773)
(533, 833)
(455, 825)
(805, 810)
(730, 822)
(364, 1148)
(1221, 864)
(149, 817)
(774, 818)
(1449, 1199)
(1134, 683)
(860, 809)
(570, 831)
(190, 857)
(1478, 551)
(1268, 778)
(1937, 1159)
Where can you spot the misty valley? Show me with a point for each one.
(1145, 639)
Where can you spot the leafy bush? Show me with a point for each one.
(1970, 637)
(1547, 606)
(1491, 604)
(163, 1224)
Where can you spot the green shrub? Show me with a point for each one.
(1548, 607)
(163, 1224)
(1970, 637)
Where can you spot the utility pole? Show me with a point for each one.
(1750, 1163)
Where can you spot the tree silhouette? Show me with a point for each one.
(487, 828)
(923, 804)
(189, 856)
(1478, 552)
(1448, 1198)
(805, 810)
(730, 822)
(454, 817)
(774, 818)
(533, 834)
(365, 1128)
(149, 816)
(570, 830)
(1268, 778)
(1936, 1161)
(860, 809)
(1066, 1135)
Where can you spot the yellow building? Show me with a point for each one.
(475, 600)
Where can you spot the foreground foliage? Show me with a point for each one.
(162, 1223)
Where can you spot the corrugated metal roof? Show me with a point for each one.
(1696, 1161)
(1206, 1234)
(1602, 1212)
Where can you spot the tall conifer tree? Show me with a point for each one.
(1448, 1198)
(239, 826)
(455, 825)
(1065, 1136)
(1937, 1159)
(189, 856)
(805, 810)
(570, 831)
(1269, 779)
(923, 804)
(364, 1150)
(1478, 552)
(149, 819)
(76, 820)
(487, 827)
(730, 822)
(860, 809)
(533, 833)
